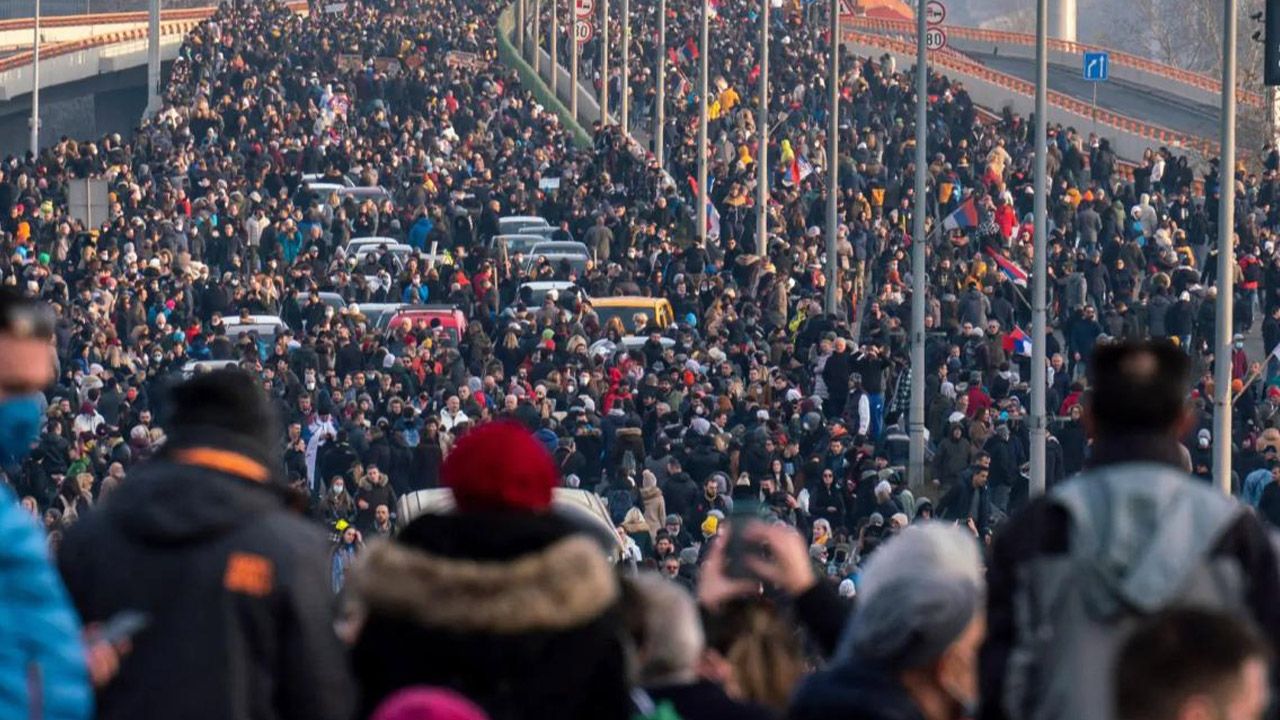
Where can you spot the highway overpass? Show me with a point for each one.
(1143, 104)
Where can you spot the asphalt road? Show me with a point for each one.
(1125, 98)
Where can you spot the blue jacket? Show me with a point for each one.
(40, 644)
(421, 229)
(418, 296)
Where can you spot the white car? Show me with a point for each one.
(512, 224)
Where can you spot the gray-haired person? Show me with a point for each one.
(911, 647)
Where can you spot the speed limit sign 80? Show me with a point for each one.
(583, 30)
(935, 38)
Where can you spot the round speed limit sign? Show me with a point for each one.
(935, 38)
(583, 30)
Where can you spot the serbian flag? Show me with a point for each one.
(689, 52)
(1010, 269)
(800, 169)
(964, 217)
(1017, 342)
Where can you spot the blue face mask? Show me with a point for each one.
(19, 427)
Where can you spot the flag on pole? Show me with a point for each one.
(800, 169)
(964, 217)
(713, 215)
(1017, 342)
(689, 52)
(1010, 269)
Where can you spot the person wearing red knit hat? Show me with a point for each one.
(501, 600)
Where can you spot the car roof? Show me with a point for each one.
(560, 247)
(639, 301)
(395, 248)
(523, 218)
(253, 320)
(549, 284)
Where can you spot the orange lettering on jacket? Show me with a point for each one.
(248, 574)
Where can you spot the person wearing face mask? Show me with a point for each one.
(910, 650)
(337, 503)
(42, 663)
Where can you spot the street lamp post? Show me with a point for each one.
(35, 86)
(660, 116)
(153, 58)
(919, 259)
(626, 67)
(1226, 257)
(704, 45)
(762, 131)
(554, 44)
(604, 63)
(1039, 268)
(833, 160)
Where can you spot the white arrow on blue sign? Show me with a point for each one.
(1096, 65)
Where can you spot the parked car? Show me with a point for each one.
(378, 314)
(515, 223)
(584, 508)
(532, 294)
(628, 307)
(575, 253)
(453, 322)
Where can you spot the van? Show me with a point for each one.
(626, 307)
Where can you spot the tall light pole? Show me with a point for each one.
(520, 27)
(762, 131)
(604, 63)
(35, 86)
(573, 62)
(833, 160)
(1039, 267)
(919, 259)
(660, 117)
(1226, 256)
(704, 50)
(537, 32)
(555, 48)
(626, 67)
(153, 58)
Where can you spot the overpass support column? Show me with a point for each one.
(1273, 114)
(1062, 21)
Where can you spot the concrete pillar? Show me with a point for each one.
(1062, 20)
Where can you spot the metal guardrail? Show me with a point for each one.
(1117, 57)
(114, 18)
(53, 50)
(1163, 136)
(49, 9)
(530, 80)
(180, 21)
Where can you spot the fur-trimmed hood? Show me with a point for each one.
(563, 585)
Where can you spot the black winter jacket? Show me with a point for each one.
(235, 586)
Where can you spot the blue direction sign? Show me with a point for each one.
(1096, 65)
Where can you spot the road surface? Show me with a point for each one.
(1119, 96)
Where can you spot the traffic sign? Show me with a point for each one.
(935, 38)
(584, 8)
(935, 12)
(584, 30)
(1096, 65)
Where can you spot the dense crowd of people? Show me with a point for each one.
(285, 136)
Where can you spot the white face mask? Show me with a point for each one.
(338, 489)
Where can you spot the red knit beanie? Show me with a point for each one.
(499, 466)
